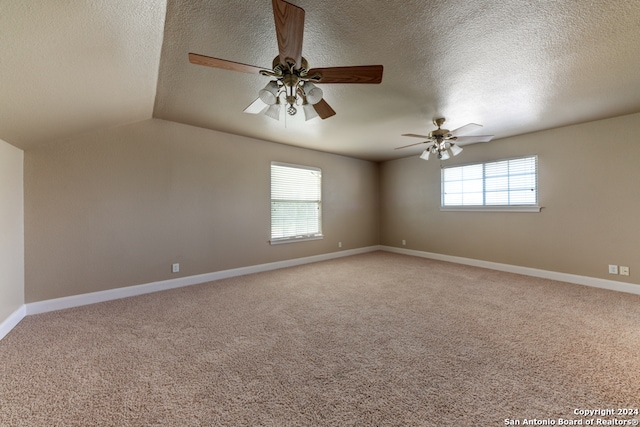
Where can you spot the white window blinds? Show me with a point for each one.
(511, 182)
(296, 197)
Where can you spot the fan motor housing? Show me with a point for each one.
(440, 133)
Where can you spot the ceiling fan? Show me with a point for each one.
(293, 82)
(444, 142)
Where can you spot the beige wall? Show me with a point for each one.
(116, 208)
(589, 186)
(11, 230)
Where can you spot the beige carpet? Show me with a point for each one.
(371, 340)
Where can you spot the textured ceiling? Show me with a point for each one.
(69, 67)
(514, 66)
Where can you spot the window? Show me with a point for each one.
(295, 203)
(510, 184)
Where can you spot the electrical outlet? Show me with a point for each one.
(175, 268)
(613, 269)
(339, 244)
(624, 271)
(404, 242)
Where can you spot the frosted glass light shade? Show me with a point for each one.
(425, 154)
(455, 150)
(444, 155)
(273, 111)
(269, 95)
(312, 92)
(309, 112)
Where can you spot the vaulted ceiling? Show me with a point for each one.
(76, 66)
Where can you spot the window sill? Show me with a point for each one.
(490, 208)
(295, 239)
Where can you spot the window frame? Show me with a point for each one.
(298, 237)
(491, 208)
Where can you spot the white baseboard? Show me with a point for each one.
(545, 274)
(10, 322)
(129, 291)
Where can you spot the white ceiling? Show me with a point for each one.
(515, 66)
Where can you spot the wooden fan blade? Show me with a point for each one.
(357, 74)
(413, 135)
(465, 129)
(323, 109)
(289, 30)
(464, 140)
(411, 145)
(197, 59)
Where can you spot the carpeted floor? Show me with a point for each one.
(371, 340)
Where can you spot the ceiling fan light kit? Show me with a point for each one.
(294, 90)
(442, 152)
(292, 86)
(294, 83)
